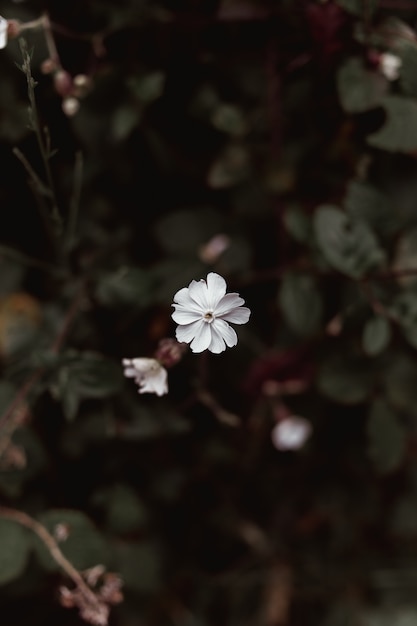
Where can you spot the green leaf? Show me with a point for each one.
(125, 286)
(123, 510)
(184, 231)
(357, 7)
(86, 375)
(367, 203)
(405, 257)
(400, 382)
(300, 303)
(347, 245)
(15, 545)
(139, 565)
(376, 335)
(345, 380)
(230, 168)
(399, 131)
(298, 224)
(359, 89)
(387, 438)
(407, 51)
(81, 542)
(404, 309)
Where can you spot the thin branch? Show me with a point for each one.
(48, 540)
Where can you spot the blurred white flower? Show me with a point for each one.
(203, 310)
(390, 65)
(4, 27)
(148, 374)
(291, 433)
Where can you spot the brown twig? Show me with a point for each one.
(48, 540)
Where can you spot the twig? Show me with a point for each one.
(48, 540)
(44, 150)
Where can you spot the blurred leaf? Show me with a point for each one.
(360, 89)
(301, 303)
(15, 545)
(230, 168)
(229, 119)
(403, 519)
(124, 121)
(125, 286)
(376, 335)
(386, 616)
(367, 203)
(139, 565)
(86, 375)
(345, 380)
(148, 87)
(407, 51)
(404, 309)
(158, 421)
(400, 381)
(387, 437)
(184, 231)
(349, 246)
(298, 224)
(82, 544)
(357, 7)
(123, 510)
(399, 131)
(405, 257)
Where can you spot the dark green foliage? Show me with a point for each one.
(260, 140)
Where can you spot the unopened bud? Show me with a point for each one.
(48, 66)
(169, 352)
(82, 84)
(63, 83)
(70, 106)
(14, 28)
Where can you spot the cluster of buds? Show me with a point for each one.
(94, 605)
(71, 88)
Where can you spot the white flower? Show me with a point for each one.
(291, 433)
(4, 27)
(149, 375)
(203, 310)
(390, 65)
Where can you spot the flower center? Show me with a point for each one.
(208, 317)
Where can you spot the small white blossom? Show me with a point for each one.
(291, 433)
(4, 27)
(203, 310)
(149, 375)
(390, 65)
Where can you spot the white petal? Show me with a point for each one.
(198, 292)
(217, 344)
(182, 316)
(229, 302)
(186, 333)
(226, 332)
(202, 339)
(237, 316)
(216, 287)
(4, 27)
(183, 298)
